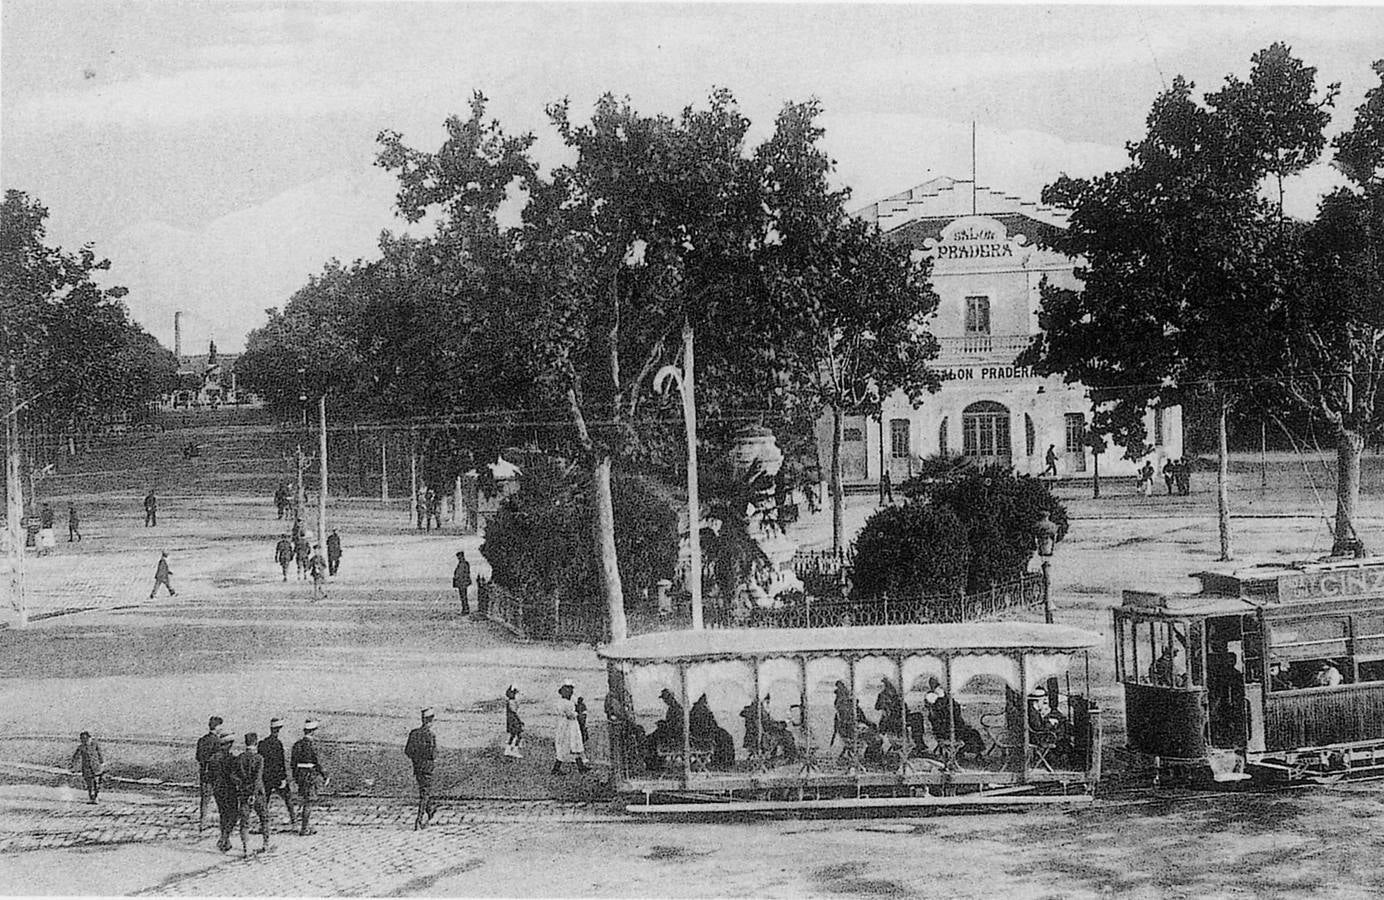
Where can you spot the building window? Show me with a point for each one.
(1076, 432)
(1158, 426)
(942, 437)
(853, 434)
(985, 430)
(1030, 439)
(898, 438)
(977, 315)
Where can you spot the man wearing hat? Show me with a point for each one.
(207, 746)
(224, 788)
(275, 770)
(461, 580)
(317, 568)
(250, 798)
(421, 748)
(308, 772)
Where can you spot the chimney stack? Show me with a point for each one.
(178, 335)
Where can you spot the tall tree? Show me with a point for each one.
(1331, 354)
(844, 314)
(1182, 260)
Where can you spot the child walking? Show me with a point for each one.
(514, 726)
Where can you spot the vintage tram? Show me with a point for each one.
(820, 718)
(1270, 671)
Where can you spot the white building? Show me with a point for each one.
(987, 267)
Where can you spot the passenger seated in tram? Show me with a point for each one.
(849, 716)
(1279, 679)
(938, 706)
(666, 740)
(889, 705)
(1327, 674)
(705, 734)
(766, 735)
(1169, 669)
(1047, 726)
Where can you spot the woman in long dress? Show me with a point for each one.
(567, 743)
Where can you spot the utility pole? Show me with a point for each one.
(384, 467)
(14, 507)
(299, 497)
(322, 467)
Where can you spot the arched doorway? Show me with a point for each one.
(985, 433)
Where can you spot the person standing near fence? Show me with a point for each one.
(87, 760)
(461, 580)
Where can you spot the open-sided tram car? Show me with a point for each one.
(1273, 671)
(762, 719)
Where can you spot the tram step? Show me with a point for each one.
(1227, 765)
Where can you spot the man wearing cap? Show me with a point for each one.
(461, 580)
(224, 788)
(317, 567)
(161, 576)
(275, 770)
(283, 554)
(567, 744)
(308, 772)
(421, 748)
(207, 746)
(250, 798)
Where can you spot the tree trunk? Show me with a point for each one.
(1223, 474)
(1350, 445)
(605, 544)
(837, 490)
(1095, 474)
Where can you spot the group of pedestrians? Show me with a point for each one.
(47, 536)
(428, 506)
(294, 547)
(241, 783)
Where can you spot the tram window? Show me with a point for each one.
(1162, 647)
(1369, 646)
(1310, 653)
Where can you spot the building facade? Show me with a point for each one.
(987, 268)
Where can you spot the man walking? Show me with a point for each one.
(281, 498)
(283, 554)
(249, 779)
(90, 763)
(333, 553)
(151, 509)
(74, 525)
(421, 748)
(461, 580)
(275, 772)
(302, 552)
(317, 567)
(308, 773)
(224, 789)
(1051, 459)
(207, 746)
(161, 576)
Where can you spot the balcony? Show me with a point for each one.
(989, 347)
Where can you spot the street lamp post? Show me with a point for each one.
(683, 379)
(1045, 535)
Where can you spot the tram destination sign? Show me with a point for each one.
(1341, 584)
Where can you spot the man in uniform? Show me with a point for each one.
(302, 551)
(224, 788)
(74, 523)
(283, 554)
(308, 773)
(207, 746)
(461, 580)
(422, 750)
(151, 510)
(333, 552)
(249, 779)
(161, 577)
(275, 771)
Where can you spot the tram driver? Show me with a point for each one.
(1170, 668)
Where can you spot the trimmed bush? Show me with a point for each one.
(910, 550)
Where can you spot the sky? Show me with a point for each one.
(220, 153)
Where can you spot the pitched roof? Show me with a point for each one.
(944, 198)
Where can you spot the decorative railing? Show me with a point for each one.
(1005, 345)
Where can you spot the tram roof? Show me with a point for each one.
(974, 637)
